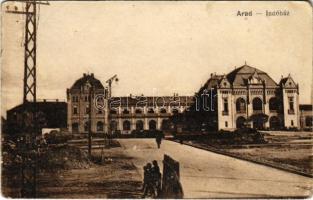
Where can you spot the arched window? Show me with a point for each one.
(257, 104)
(113, 125)
(162, 110)
(125, 111)
(240, 122)
(150, 110)
(240, 105)
(274, 123)
(273, 104)
(308, 121)
(165, 124)
(126, 125)
(139, 125)
(174, 111)
(138, 111)
(75, 127)
(152, 125)
(113, 111)
(99, 126)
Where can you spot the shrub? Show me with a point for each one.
(55, 137)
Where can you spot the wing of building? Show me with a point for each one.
(250, 97)
(88, 104)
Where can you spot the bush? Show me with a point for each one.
(55, 137)
(145, 133)
(223, 137)
(63, 157)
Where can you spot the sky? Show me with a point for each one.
(155, 48)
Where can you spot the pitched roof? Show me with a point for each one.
(239, 76)
(91, 79)
(213, 81)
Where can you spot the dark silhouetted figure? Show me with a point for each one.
(158, 138)
(148, 180)
(155, 171)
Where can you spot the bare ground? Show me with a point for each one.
(291, 150)
(116, 177)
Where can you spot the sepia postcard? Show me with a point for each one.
(156, 99)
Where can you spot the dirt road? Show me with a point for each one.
(208, 175)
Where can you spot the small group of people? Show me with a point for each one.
(152, 180)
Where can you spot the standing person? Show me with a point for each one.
(156, 176)
(158, 138)
(145, 177)
(147, 180)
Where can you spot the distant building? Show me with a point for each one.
(250, 97)
(51, 114)
(306, 116)
(119, 114)
(145, 113)
(80, 106)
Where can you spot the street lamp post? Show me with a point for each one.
(109, 82)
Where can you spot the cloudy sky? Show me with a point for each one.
(156, 47)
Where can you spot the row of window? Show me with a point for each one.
(257, 105)
(87, 110)
(99, 127)
(140, 111)
(152, 125)
(274, 123)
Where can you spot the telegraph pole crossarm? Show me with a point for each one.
(29, 148)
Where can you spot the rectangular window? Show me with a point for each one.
(87, 110)
(75, 111)
(291, 103)
(291, 122)
(226, 124)
(225, 106)
(74, 98)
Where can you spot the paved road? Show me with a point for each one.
(209, 175)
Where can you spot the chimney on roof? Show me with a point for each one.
(92, 75)
(211, 75)
(84, 74)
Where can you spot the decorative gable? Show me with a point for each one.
(255, 78)
(224, 83)
(289, 83)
